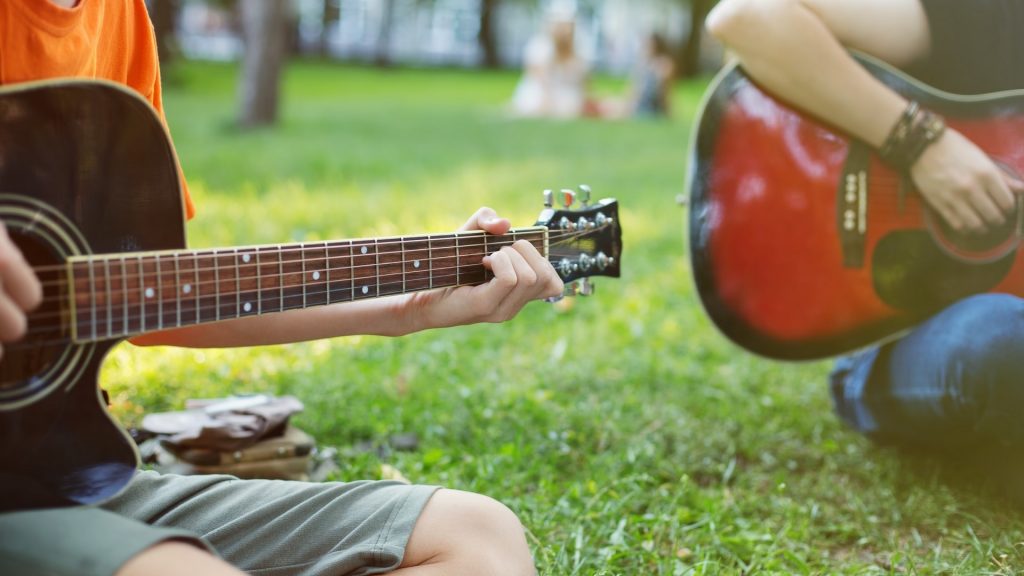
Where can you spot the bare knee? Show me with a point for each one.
(469, 534)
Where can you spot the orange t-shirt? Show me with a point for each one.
(101, 39)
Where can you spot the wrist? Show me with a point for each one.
(408, 314)
(914, 132)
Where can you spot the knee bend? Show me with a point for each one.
(477, 535)
(732, 21)
(499, 537)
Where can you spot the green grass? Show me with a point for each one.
(625, 432)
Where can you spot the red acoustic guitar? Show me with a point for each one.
(804, 245)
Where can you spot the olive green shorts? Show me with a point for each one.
(264, 527)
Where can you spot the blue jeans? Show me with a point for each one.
(954, 382)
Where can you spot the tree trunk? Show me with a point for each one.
(383, 56)
(163, 14)
(263, 29)
(327, 17)
(689, 59)
(487, 36)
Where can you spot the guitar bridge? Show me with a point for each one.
(852, 212)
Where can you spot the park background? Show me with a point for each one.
(630, 437)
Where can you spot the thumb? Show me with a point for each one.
(487, 220)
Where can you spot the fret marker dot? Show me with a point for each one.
(245, 257)
(366, 289)
(363, 250)
(150, 293)
(247, 307)
(416, 264)
(187, 288)
(316, 275)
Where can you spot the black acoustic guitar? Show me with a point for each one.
(89, 191)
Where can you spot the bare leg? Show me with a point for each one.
(175, 558)
(460, 533)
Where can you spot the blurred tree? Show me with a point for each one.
(487, 36)
(164, 14)
(382, 57)
(264, 25)
(689, 55)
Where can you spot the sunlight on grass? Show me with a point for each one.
(630, 437)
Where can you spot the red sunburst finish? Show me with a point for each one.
(769, 201)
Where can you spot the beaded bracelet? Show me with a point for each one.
(913, 133)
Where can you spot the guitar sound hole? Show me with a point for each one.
(981, 244)
(24, 365)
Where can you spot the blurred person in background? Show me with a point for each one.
(554, 82)
(650, 86)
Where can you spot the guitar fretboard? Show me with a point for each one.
(119, 295)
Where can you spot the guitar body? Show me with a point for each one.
(804, 245)
(84, 169)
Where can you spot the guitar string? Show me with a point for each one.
(279, 262)
(137, 319)
(61, 282)
(556, 236)
(175, 303)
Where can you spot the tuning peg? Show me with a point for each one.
(585, 288)
(568, 198)
(549, 197)
(584, 195)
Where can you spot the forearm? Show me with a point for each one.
(795, 48)
(378, 317)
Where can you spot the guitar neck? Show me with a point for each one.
(121, 295)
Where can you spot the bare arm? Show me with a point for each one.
(797, 49)
(521, 274)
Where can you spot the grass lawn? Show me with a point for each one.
(628, 435)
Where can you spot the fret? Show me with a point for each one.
(442, 261)
(247, 283)
(293, 277)
(177, 290)
(487, 252)
(280, 275)
(341, 286)
(187, 289)
(302, 257)
(327, 267)
(142, 297)
(317, 276)
(110, 298)
(458, 262)
(430, 259)
(92, 298)
(78, 278)
(404, 286)
(124, 295)
(415, 264)
(470, 258)
(268, 277)
(159, 294)
(376, 253)
(364, 271)
(391, 267)
(228, 294)
(198, 286)
(150, 282)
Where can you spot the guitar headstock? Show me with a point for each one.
(584, 238)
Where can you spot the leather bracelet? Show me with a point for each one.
(913, 133)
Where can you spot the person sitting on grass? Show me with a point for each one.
(179, 525)
(956, 382)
